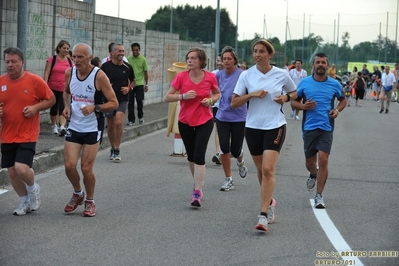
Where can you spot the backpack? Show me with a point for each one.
(359, 84)
(53, 63)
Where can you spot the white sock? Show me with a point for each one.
(25, 198)
(32, 187)
(80, 193)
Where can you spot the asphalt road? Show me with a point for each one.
(144, 215)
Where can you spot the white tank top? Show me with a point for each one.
(82, 94)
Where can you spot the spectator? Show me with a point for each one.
(388, 83)
(140, 67)
(54, 75)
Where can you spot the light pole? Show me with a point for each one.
(237, 28)
(286, 26)
(217, 28)
(171, 17)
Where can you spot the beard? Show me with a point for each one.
(320, 71)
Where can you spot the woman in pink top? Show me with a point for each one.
(198, 91)
(54, 75)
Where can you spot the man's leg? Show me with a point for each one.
(130, 107)
(322, 174)
(89, 155)
(111, 130)
(140, 99)
(118, 129)
(71, 156)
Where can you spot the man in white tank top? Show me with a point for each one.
(297, 74)
(85, 88)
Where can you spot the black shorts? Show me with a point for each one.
(214, 112)
(17, 152)
(317, 140)
(89, 138)
(259, 140)
(121, 108)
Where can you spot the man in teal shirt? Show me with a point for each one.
(140, 68)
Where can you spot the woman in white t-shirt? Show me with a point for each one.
(263, 85)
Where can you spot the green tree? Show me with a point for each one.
(194, 24)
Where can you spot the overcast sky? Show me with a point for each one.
(364, 19)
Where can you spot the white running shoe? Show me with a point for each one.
(54, 128)
(35, 201)
(242, 169)
(22, 209)
(262, 223)
(227, 185)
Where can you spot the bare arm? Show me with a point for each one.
(172, 96)
(47, 71)
(67, 95)
(146, 81)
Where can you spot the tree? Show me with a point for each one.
(194, 23)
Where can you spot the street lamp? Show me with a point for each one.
(286, 26)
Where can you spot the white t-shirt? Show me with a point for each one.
(265, 113)
(297, 76)
(216, 104)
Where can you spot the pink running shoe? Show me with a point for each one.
(196, 198)
(75, 201)
(90, 209)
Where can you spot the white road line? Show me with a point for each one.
(2, 191)
(332, 233)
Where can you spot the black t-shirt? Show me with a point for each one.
(365, 74)
(119, 76)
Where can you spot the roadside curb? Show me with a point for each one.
(55, 156)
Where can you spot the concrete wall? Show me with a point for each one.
(50, 21)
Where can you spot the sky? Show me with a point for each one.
(363, 19)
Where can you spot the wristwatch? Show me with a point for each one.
(97, 108)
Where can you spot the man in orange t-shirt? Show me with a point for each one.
(23, 95)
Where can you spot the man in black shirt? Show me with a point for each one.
(121, 76)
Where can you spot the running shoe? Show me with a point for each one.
(242, 169)
(35, 200)
(262, 223)
(292, 113)
(297, 118)
(216, 159)
(227, 185)
(196, 198)
(131, 123)
(117, 155)
(141, 121)
(112, 155)
(319, 202)
(311, 182)
(54, 128)
(22, 209)
(90, 209)
(75, 201)
(62, 131)
(270, 212)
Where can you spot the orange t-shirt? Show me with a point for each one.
(28, 90)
